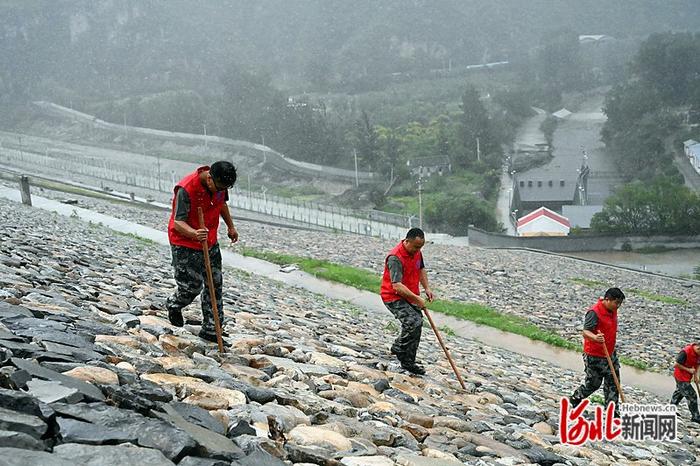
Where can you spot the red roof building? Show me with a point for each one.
(543, 222)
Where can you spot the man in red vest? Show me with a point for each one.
(206, 187)
(685, 370)
(600, 328)
(404, 270)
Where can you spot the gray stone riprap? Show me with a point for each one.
(537, 287)
(306, 379)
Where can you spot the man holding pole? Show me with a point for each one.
(599, 336)
(685, 369)
(404, 270)
(207, 189)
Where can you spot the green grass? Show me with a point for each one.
(644, 294)
(357, 278)
(590, 283)
(597, 399)
(140, 239)
(477, 313)
(301, 193)
(658, 297)
(653, 249)
(409, 203)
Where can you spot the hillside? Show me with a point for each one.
(98, 49)
(110, 381)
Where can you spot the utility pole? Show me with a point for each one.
(357, 179)
(158, 160)
(420, 197)
(478, 150)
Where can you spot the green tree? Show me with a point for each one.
(453, 214)
(247, 100)
(367, 144)
(476, 132)
(662, 207)
(561, 66)
(670, 63)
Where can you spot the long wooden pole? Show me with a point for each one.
(444, 348)
(210, 281)
(614, 374)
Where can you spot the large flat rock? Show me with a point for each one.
(101, 455)
(88, 390)
(22, 457)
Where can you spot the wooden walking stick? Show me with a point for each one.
(614, 374)
(210, 281)
(444, 348)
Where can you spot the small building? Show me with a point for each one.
(427, 166)
(594, 38)
(532, 190)
(543, 222)
(693, 154)
(562, 114)
(687, 145)
(580, 216)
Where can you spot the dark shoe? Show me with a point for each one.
(175, 318)
(413, 368)
(209, 336)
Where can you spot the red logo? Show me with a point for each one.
(574, 429)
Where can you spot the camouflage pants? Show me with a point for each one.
(597, 372)
(406, 345)
(685, 390)
(191, 278)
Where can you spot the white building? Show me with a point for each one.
(543, 222)
(692, 151)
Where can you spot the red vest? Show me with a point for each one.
(199, 197)
(607, 325)
(691, 360)
(411, 273)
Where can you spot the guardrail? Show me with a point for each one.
(139, 173)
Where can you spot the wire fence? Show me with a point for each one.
(155, 176)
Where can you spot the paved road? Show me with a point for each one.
(574, 134)
(503, 205)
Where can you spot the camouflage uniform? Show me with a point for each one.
(597, 372)
(411, 317)
(191, 278)
(685, 390)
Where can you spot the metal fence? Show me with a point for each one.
(155, 178)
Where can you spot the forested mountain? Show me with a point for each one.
(130, 46)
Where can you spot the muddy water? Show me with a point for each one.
(673, 263)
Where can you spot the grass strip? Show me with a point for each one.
(477, 313)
